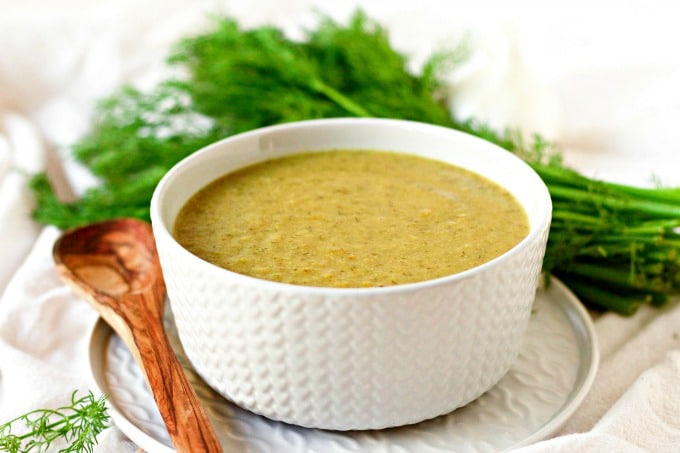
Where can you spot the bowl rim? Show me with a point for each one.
(160, 227)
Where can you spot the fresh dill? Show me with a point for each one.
(77, 425)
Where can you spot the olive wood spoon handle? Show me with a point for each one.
(114, 266)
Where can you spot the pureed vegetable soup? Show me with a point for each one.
(350, 219)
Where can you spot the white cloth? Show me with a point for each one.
(598, 79)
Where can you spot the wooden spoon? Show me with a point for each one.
(114, 266)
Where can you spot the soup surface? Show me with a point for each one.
(350, 219)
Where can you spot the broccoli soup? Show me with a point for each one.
(350, 219)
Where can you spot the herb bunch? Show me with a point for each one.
(616, 246)
(77, 425)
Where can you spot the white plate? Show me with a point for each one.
(554, 372)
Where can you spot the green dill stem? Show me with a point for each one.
(555, 176)
(340, 99)
(641, 206)
(598, 250)
(662, 255)
(603, 299)
(662, 194)
(652, 241)
(64, 420)
(654, 268)
(589, 221)
(620, 277)
(655, 227)
(659, 299)
(630, 239)
(564, 176)
(577, 217)
(654, 257)
(561, 175)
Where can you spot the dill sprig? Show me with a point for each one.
(616, 246)
(77, 424)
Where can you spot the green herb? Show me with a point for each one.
(77, 424)
(615, 245)
(135, 140)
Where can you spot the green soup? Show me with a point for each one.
(350, 219)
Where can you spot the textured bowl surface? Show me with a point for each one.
(352, 358)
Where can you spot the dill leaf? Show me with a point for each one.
(77, 424)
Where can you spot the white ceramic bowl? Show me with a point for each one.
(352, 358)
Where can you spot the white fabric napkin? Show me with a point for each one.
(21, 155)
(609, 97)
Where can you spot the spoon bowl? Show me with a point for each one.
(114, 266)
